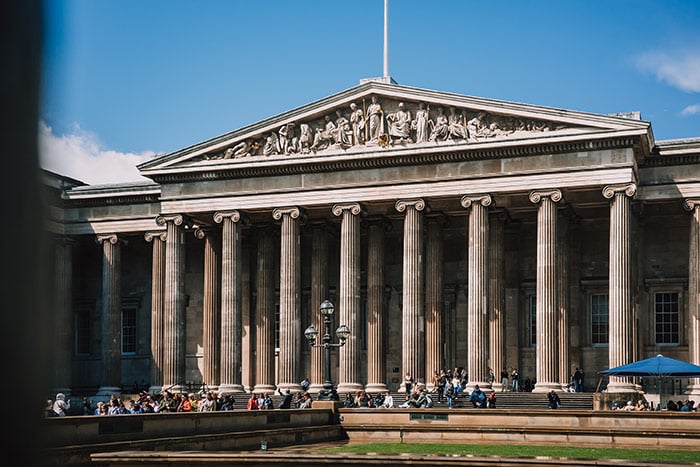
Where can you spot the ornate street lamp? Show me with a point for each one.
(328, 392)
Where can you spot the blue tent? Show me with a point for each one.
(657, 367)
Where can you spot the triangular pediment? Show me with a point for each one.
(378, 117)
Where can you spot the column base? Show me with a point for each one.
(108, 390)
(483, 385)
(351, 388)
(231, 389)
(264, 388)
(375, 388)
(542, 387)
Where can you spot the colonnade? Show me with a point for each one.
(422, 299)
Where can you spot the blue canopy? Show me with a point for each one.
(658, 367)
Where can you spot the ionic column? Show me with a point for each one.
(376, 367)
(157, 294)
(434, 338)
(413, 321)
(265, 313)
(349, 298)
(174, 303)
(63, 316)
(620, 346)
(110, 381)
(231, 314)
(497, 318)
(247, 320)
(319, 293)
(211, 311)
(563, 298)
(477, 295)
(693, 205)
(290, 299)
(547, 311)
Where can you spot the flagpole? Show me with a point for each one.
(386, 38)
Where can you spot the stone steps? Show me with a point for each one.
(510, 400)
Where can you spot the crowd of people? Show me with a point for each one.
(643, 405)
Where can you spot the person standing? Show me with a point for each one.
(408, 383)
(504, 379)
(515, 376)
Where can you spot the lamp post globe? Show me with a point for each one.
(328, 392)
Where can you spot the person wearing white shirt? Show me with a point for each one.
(388, 401)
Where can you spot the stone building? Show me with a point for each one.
(447, 230)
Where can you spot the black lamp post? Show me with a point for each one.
(328, 393)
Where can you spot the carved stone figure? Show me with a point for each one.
(422, 124)
(242, 149)
(441, 130)
(271, 145)
(305, 138)
(478, 128)
(323, 137)
(457, 125)
(286, 134)
(357, 121)
(343, 132)
(374, 115)
(400, 125)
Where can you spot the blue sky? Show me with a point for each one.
(125, 80)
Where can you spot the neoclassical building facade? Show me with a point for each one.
(448, 231)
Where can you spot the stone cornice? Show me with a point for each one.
(397, 158)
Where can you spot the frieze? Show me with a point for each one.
(384, 123)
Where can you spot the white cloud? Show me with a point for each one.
(681, 69)
(691, 110)
(79, 155)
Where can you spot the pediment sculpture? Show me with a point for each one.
(384, 124)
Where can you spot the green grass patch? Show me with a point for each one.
(522, 451)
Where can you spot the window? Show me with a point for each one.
(667, 318)
(129, 330)
(532, 306)
(599, 319)
(83, 326)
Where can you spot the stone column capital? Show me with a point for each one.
(537, 195)
(203, 232)
(417, 203)
(291, 211)
(177, 219)
(690, 204)
(484, 199)
(629, 189)
(111, 238)
(354, 208)
(233, 215)
(160, 234)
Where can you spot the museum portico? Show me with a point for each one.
(448, 230)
